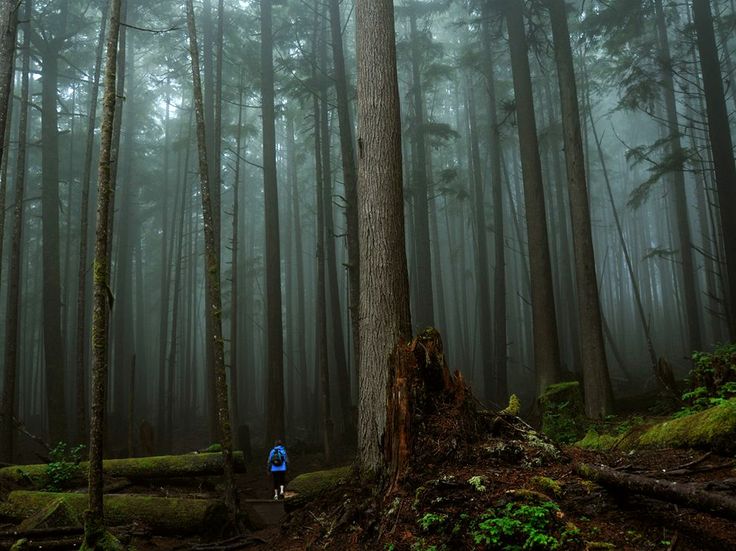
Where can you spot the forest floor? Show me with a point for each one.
(442, 506)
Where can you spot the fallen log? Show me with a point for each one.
(162, 515)
(135, 468)
(686, 494)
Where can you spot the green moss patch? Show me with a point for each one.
(319, 481)
(563, 412)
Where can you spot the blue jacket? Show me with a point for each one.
(283, 466)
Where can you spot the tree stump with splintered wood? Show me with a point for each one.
(420, 385)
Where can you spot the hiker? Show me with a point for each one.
(277, 465)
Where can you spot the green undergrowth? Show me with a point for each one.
(529, 522)
(712, 381)
(563, 412)
(64, 466)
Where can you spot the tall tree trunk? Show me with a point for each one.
(52, 307)
(234, 295)
(482, 277)
(81, 333)
(721, 144)
(349, 171)
(93, 526)
(212, 277)
(12, 315)
(338, 339)
(8, 32)
(499, 273)
(544, 325)
(675, 150)
(384, 294)
(597, 384)
(321, 302)
(274, 328)
(424, 301)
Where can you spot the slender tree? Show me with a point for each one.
(12, 316)
(721, 144)
(384, 293)
(212, 278)
(544, 325)
(93, 522)
(8, 31)
(598, 394)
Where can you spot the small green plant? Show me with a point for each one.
(64, 465)
(524, 527)
(478, 482)
(431, 521)
(712, 380)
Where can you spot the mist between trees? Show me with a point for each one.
(536, 266)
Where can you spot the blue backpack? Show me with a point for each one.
(277, 458)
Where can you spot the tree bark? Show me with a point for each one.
(384, 294)
(212, 278)
(81, 333)
(275, 426)
(8, 32)
(347, 150)
(102, 295)
(597, 384)
(544, 324)
(12, 316)
(721, 144)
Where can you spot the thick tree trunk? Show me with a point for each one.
(598, 394)
(544, 325)
(12, 316)
(212, 278)
(721, 144)
(275, 426)
(384, 294)
(102, 294)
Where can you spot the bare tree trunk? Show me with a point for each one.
(321, 303)
(424, 301)
(8, 32)
(721, 144)
(274, 328)
(12, 316)
(482, 277)
(81, 334)
(349, 171)
(499, 274)
(212, 277)
(93, 526)
(544, 325)
(597, 385)
(384, 294)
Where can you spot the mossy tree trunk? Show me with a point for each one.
(212, 276)
(102, 294)
(384, 313)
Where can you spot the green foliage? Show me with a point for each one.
(64, 465)
(522, 527)
(430, 521)
(712, 380)
(563, 417)
(478, 482)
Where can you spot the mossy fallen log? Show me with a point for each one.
(163, 515)
(712, 429)
(687, 494)
(309, 485)
(135, 468)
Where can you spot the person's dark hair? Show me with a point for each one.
(278, 443)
